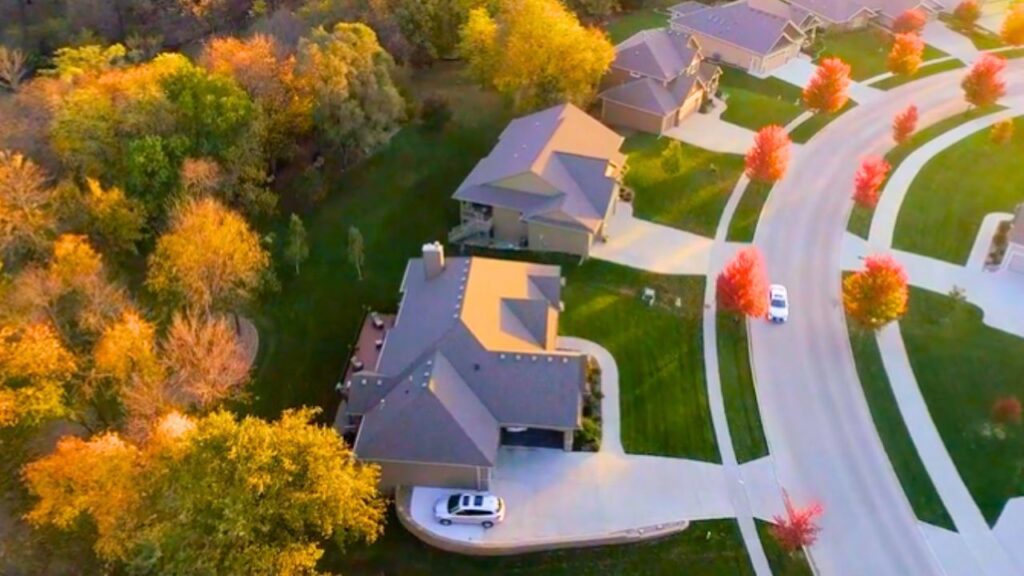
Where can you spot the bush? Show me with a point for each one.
(588, 437)
(435, 113)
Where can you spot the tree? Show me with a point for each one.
(984, 85)
(904, 125)
(13, 68)
(26, 216)
(967, 13)
(204, 359)
(536, 53)
(798, 528)
(826, 92)
(71, 62)
(115, 220)
(906, 55)
(435, 113)
(1012, 31)
(878, 294)
(356, 106)
(672, 158)
(210, 110)
(869, 179)
(126, 352)
(297, 249)
(1006, 411)
(247, 496)
(1002, 132)
(34, 368)
(768, 158)
(432, 26)
(911, 21)
(594, 9)
(209, 258)
(356, 254)
(742, 286)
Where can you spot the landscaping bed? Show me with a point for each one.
(691, 199)
(865, 50)
(757, 102)
(923, 72)
(738, 388)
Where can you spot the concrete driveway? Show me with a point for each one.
(643, 244)
(799, 71)
(939, 35)
(710, 132)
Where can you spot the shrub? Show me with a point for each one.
(436, 113)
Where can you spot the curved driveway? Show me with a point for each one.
(823, 440)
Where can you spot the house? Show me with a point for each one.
(1013, 260)
(550, 184)
(740, 34)
(804, 19)
(657, 79)
(838, 14)
(887, 11)
(471, 364)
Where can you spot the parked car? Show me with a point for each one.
(470, 508)
(778, 303)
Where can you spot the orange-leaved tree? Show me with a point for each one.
(904, 124)
(878, 294)
(967, 13)
(1007, 410)
(910, 22)
(742, 286)
(984, 85)
(1012, 31)
(906, 55)
(768, 158)
(827, 90)
(868, 180)
(799, 527)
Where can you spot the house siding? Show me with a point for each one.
(716, 50)
(394, 474)
(615, 77)
(776, 59)
(508, 226)
(615, 114)
(547, 238)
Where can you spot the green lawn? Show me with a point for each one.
(738, 389)
(955, 190)
(982, 39)
(659, 351)
(860, 218)
(624, 25)
(892, 429)
(1011, 54)
(962, 367)
(865, 50)
(692, 199)
(923, 72)
(748, 212)
(755, 103)
(808, 128)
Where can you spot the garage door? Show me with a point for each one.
(532, 437)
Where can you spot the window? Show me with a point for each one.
(478, 501)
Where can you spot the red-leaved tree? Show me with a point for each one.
(1012, 31)
(906, 55)
(768, 158)
(1006, 411)
(868, 181)
(798, 528)
(904, 124)
(984, 85)
(910, 22)
(1002, 132)
(742, 286)
(878, 294)
(827, 89)
(967, 13)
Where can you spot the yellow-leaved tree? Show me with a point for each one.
(34, 368)
(535, 52)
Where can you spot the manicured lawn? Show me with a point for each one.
(659, 351)
(917, 485)
(692, 199)
(1011, 54)
(923, 72)
(624, 25)
(755, 103)
(860, 218)
(962, 367)
(738, 389)
(864, 50)
(980, 37)
(707, 548)
(808, 128)
(954, 191)
(748, 212)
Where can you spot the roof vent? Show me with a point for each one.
(501, 356)
(565, 360)
(518, 357)
(476, 367)
(550, 358)
(533, 358)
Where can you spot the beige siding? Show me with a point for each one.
(527, 182)
(690, 105)
(615, 77)
(615, 114)
(508, 227)
(715, 49)
(416, 474)
(776, 59)
(548, 238)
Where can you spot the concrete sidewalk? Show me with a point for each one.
(654, 247)
(799, 71)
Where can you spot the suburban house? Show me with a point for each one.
(1013, 260)
(658, 78)
(550, 184)
(838, 14)
(887, 11)
(470, 363)
(741, 33)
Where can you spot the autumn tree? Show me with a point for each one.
(114, 220)
(248, 496)
(73, 61)
(798, 528)
(878, 294)
(904, 125)
(984, 85)
(26, 216)
(1002, 132)
(356, 250)
(13, 68)
(355, 103)
(209, 258)
(966, 14)
(296, 248)
(742, 286)
(204, 359)
(35, 366)
(768, 158)
(1012, 31)
(906, 55)
(432, 26)
(126, 352)
(536, 53)
(911, 21)
(826, 92)
(868, 181)
(1007, 411)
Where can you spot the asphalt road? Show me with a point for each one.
(817, 421)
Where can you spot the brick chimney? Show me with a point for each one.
(433, 260)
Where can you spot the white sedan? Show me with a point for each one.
(778, 303)
(470, 508)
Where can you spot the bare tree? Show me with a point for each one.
(13, 67)
(205, 360)
(25, 216)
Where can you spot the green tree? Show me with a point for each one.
(356, 106)
(297, 249)
(536, 53)
(151, 169)
(212, 111)
(356, 250)
(672, 158)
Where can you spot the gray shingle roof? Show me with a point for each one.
(739, 24)
(661, 54)
(837, 11)
(651, 96)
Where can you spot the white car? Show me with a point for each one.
(778, 303)
(470, 508)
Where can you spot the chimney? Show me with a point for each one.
(433, 260)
